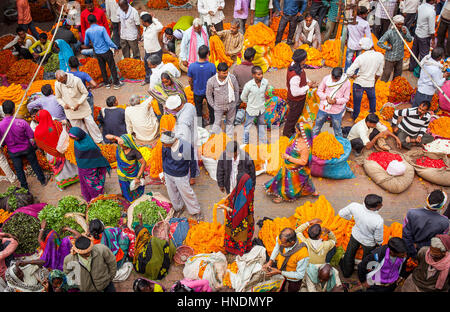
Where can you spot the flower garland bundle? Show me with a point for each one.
(259, 153)
(108, 151)
(156, 161)
(276, 149)
(155, 107)
(7, 59)
(189, 94)
(400, 90)
(259, 34)
(167, 122)
(13, 92)
(384, 158)
(4, 215)
(326, 146)
(131, 68)
(215, 146)
(281, 93)
(430, 163)
(167, 58)
(217, 51)
(281, 55)
(271, 230)
(92, 68)
(38, 84)
(206, 237)
(5, 40)
(314, 57)
(434, 103)
(22, 71)
(387, 113)
(440, 127)
(331, 50)
(157, 4)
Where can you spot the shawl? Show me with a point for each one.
(87, 153)
(65, 52)
(309, 30)
(47, 133)
(443, 265)
(335, 86)
(193, 45)
(55, 250)
(231, 97)
(116, 242)
(161, 92)
(127, 170)
(241, 198)
(306, 135)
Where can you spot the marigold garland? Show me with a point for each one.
(92, 68)
(217, 51)
(7, 59)
(331, 50)
(435, 102)
(314, 56)
(215, 146)
(400, 90)
(326, 146)
(275, 161)
(167, 58)
(440, 127)
(155, 107)
(131, 68)
(38, 84)
(260, 34)
(206, 237)
(4, 215)
(22, 71)
(178, 2)
(157, 4)
(281, 55)
(14, 92)
(4, 40)
(189, 94)
(387, 113)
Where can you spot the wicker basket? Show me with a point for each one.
(122, 201)
(182, 254)
(141, 199)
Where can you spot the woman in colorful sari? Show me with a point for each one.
(92, 165)
(275, 109)
(54, 250)
(57, 282)
(113, 237)
(64, 53)
(169, 86)
(240, 224)
(153, 256)
(293, 180)
(46, 135)
(130, 166)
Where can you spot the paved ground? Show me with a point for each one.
(339, 193)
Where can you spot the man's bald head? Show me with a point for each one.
(61, 76)
(123, 4)
(324, 273)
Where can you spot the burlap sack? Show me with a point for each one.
(434, 175)
(393, 184)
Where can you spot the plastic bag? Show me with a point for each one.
(63, 141)
(396, 168)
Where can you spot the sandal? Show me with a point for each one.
(277, 200)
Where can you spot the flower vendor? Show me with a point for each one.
(370, 67)
(367, 231)
(71, 94)
(21, 43)
(112, 119)
(322, 278)
(169, 86)
(20, 142)
(87, 80)
(243, 71)
(178, 160)
(413, 126)
(394, 48)
(141, 120)
(431, 273)
(233, 40)
(308, 31)
(334, 93)
(64, 52)
(158, 67)
(41, 48)
(198, 76)
(8, 244)
(211, 13)
(384, 267)
(233, 163)
(193, 38)
(168, 41)
(49, 103)
(293, 180)
(421, 224)
(355, 33)
(54, 249)
(152, 28)
(368, 132)
(291, 257)
(99, 15)
(222, 93)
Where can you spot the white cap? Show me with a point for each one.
(144, 13)
(366, 43)
(173, 102)
(398, 19)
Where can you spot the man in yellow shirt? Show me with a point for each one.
(291, 258)
(41, 48)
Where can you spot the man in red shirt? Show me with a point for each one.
(24, 17)
(98, 13)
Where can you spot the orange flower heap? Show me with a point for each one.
(157, 4)
(400, 90)
(331, 49)
(178, 2)
(92, 68)
(189, 94)
(22, 71)
(14, 92)
(132, 68)
(271, 229)
(7, 59)
(4, 40)
(275, 24)
(387, 113)
(326, 146)
(215, 146)
(259, 154)
(206, 237)
(441, 127)
(314, 57)
(167, 58)
(217, 51)
(38, 84)
(281, 55)
(260, 34)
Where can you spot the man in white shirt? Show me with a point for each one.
(424, 33)
(367, 231)
(368, 132)
(152, 28)
(129, 29)
(254, 95)
(198, 33)
(211, 13)
(370, 66)
(408, 8)
(111, 13)
(20, 44)
(355, 33)
(158, 67)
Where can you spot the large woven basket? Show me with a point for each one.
(141, 199)
(122, 201)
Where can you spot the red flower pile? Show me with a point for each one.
(430, 163)
(384, 158)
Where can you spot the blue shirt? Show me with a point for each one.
(100, 39)
(84, 78)
(179, 163)
(200, 72)
(291, 7)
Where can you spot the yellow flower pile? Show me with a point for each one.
(14, 92)
(314, 57)
(271, 229)
(281, 55)
(258, 153)
(167, 58)
(326, 146)
(331, 50)
(217, 52)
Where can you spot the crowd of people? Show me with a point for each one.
(304, 261)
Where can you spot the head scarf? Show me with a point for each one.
(306, 133)
(127, 170)
(298, 56)
(366, 43)
(47, 133)
(87, 153)
(443, 265)
(59, 274)
(437, 206)
(65, 52)
(398, 19)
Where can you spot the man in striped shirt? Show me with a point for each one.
(413, 125)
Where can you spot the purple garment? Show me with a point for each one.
(55, 251)
(50, 104)
(18, 137)
(241, 4)
(197, 285)
(92, 181)
(31, 210)
(357, 32)
(389, 272)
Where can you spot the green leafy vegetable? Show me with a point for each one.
(15, 198)
(149, 210)
(108, 211)
(26, 229)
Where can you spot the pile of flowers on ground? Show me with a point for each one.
(281, 55)
(314, 57)
(440, 127)
(22, 71)
(92, 68)
(215, 146)
(400, 90)
(131, 68)
(14, 92)
(4, 40)
(38, 84)
(167, 58)
(331, 50)
(326, 146)
(382, 94)
(384, 158)
(7, 59)
(157, 4)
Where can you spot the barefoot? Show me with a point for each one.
(277, 200)
(408, 139)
